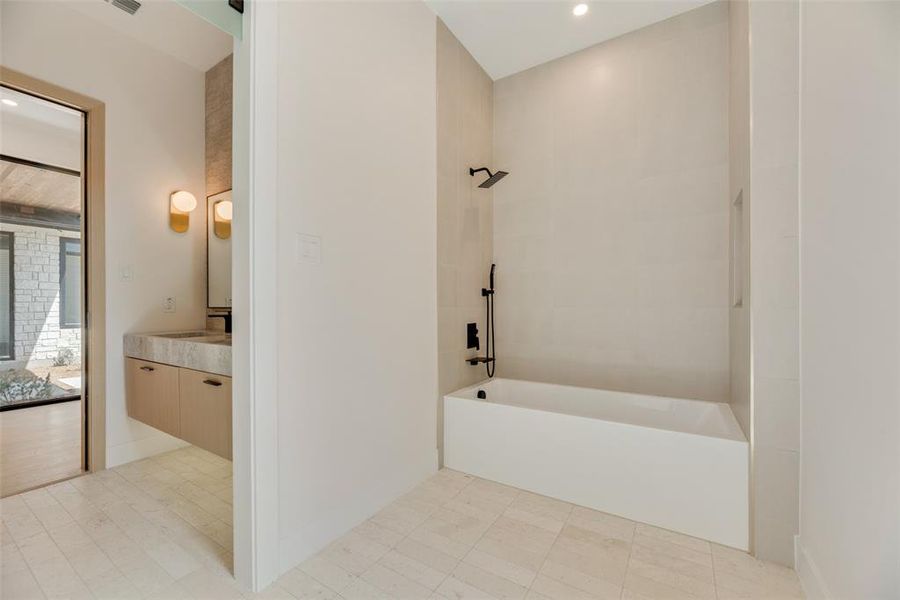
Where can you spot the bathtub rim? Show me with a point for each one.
(735, 425)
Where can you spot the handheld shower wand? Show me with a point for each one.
(489, 360)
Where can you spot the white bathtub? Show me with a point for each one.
(678, 464)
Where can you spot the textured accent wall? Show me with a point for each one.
(219, 92)
(611, 231)
(464, 213)
(38, 336)
(218, 127)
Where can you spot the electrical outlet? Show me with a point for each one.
(169, 305)
(127, 273)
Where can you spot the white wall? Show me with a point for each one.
(850, 299)
(611, 231)
(154, 145)
(357, 333)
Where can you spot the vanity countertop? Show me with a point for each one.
(207, 351)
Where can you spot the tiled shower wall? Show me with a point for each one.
(464, 211)
(764, 172)
(775, 276)
(611, 231)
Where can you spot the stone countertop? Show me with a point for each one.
(207, 351)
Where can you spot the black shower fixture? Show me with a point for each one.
(490, 359)
(492, 177)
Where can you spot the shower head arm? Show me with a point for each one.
(485, 169)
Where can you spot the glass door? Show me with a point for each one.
(41, 291)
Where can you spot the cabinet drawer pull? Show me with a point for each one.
(212, 382)
(148, 369)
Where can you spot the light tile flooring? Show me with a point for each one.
(156, 528)
(159, 528)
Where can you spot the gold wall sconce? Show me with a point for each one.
(181, 204)
(222, 214)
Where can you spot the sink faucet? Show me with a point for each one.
(227, 318)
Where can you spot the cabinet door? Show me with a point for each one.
(206, 411)
(151, 394)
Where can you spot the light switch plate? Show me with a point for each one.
(309, 249)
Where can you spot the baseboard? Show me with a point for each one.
(134, 450)
(810, 577)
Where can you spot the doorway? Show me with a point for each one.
(51, 427)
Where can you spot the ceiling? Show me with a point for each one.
(41, 131)
(166, 26)
(38, 109)
(508, 36)
(42, 188)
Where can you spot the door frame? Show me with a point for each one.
(93, 391)
(254, 283)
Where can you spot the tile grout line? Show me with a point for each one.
(45, 531)
(28, 563)
(712, 558)
(56, 545)
(391, 548)
(442, 505)
(114, 487)
(481, 537)
(547, 556)
(114, 473)
(628, 562)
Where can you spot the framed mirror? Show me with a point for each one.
(218, 250)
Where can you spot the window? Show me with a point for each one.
(7, 318)
(69, 282)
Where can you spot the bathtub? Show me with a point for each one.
(678, 464)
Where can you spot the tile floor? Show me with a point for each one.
(160, 528)
(156, 528)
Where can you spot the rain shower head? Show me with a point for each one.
(492, 177)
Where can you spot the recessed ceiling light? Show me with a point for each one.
(580, 10)
(9, 102)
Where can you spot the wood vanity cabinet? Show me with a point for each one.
(152, 397)
(206, 411)
(191, 405)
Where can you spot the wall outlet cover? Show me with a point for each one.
(169, 305)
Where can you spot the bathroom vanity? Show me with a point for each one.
(180, 383)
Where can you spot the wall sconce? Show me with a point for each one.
(181, 204)
(222, 213)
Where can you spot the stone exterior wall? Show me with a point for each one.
(38, 336)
